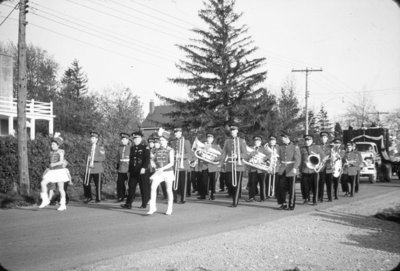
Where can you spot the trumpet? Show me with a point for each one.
(179, 161)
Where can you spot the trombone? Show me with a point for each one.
(235, 154)
(178, 162)
(271, 177)
(89, 165)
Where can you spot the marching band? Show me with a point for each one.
(272, 169)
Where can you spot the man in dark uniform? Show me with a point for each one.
(273, 152)
(123, 165)
(233, 152)
(139, 161)
(351, 161)
(95, 168)
(257, 176)
(183, 154)
(289, 160)
(357, 180)
(325, 174)
(309, 176)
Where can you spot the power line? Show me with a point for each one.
(14, 8)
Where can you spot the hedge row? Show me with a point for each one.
(76, 150)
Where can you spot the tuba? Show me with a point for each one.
(209, 155)
(313, 161)
(257, 160)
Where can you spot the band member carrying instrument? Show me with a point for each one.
(208, 164)
(233, 152)
(311, 162)
(272, 149)
(325, 174)
(257, 176)
(351, 160)
(94, 168)
(289, 162)
(337, 167)
(164, 162)
(124, 150)
(183, 155)
(139, 161)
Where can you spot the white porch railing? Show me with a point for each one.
(34, 109)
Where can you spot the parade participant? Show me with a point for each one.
(257, 176)
(336, 166)
(157, 145)
(351, 160)
(139, 160)
(123, 165)
(233, 152)
(309, 175)
(325, 174)
(357, 180)
(164, 161)
(289, 162)
(183, 155)
(209, 170)
(272, 149)
(94, 168)
(56, 173)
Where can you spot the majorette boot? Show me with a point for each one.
(45, 200)
(62, 205)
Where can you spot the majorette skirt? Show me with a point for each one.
(57, 175)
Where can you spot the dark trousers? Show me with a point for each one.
(321, 185)
(181, 187)
(234, 189)
(195, 177)
(328, 181)
(256, 178)
(144, 185)
(335, 186)
(357, 182)
(87, 189)
(207, 183)
(134, 179)
(121, 189)
(222, 180)
(350, 180)
(286, 186)
(343, 183)
(309, 183)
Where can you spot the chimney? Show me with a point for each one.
(151, 109)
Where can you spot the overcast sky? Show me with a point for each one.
(130, 43)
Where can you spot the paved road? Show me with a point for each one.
(33, 239)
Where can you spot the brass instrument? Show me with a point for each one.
(208, 155)
(314, 162)
(89, 165)
(273, 164)
(336, 162)
(257, 160)
(179, 161)
(235, 155)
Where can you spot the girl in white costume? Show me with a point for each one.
(164, 161)
(56, 173)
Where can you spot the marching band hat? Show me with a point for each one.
(257, 138)
(58, 140)
(150, 140)
(94, 134)
(165, 135)
(349, 144)
(137, 134)
(308, 137)
(234, 128)
(284, 134)
(177, 129)
(156, 139)
(272, 137)
(124, 135)
(324, 133)
(209, 134)
(337, 141)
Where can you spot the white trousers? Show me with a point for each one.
(157, 178)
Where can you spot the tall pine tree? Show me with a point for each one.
(74, 81)
(219, 73)
(322, 121)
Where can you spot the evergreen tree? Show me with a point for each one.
(338, 130)
(74, 81)
(323, 123)
(219, 73)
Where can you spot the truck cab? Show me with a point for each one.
(371, 160)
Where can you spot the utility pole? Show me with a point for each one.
(307, 70)
(377, 115)
(23, 168)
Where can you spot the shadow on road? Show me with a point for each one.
(381, 235)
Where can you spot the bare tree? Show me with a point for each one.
(358, 111)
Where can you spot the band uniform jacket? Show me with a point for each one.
(257, 151)
(139, 158)
(228, 150)
(99, 157)
(187, 152)
(273, 153)
(289, 158)
(123, 158)
(205, 165)
(326, 149)
(305, 152)
(351, 161)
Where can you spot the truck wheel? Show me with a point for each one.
(387, 172)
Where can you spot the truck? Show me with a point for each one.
(373, 145)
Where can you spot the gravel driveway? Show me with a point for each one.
(344, 237)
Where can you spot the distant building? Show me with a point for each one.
(35, 110)
(156, 118)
